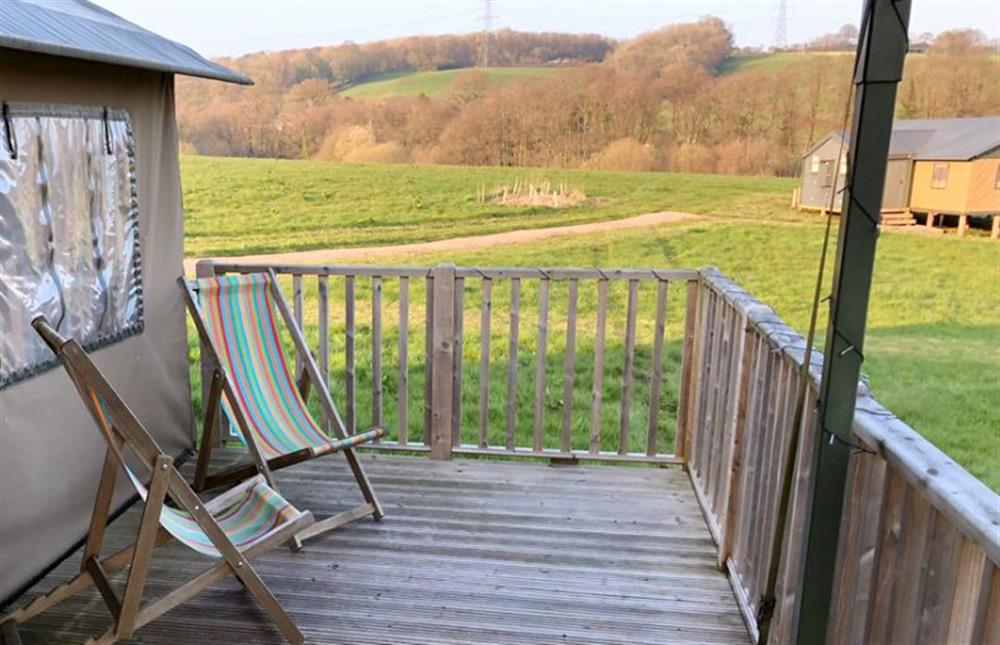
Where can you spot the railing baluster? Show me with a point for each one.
(515, 322)
(689, 360)
(297, 304)
(376, 351)
(656, 382)
(456, 373)
(323, 292)
(428, 356)
(543, 335)
(623, 427)
(569, 371)
(404, 373)
(352, 422)
(484, 362)
(598, 389)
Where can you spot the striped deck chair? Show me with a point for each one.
(231, 528)
(254, 386)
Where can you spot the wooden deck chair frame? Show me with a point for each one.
(221, 386)
(127, 432)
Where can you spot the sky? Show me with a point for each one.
(235, 27)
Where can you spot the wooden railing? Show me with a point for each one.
(476, 325)
(716, 391)
(920, 537)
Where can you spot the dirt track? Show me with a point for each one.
(468, 243)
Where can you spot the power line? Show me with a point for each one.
(781, 28)
(484, 38)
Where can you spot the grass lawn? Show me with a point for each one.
(933, 350)
(436, 83)
(235, 206)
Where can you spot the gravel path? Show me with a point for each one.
(468, 243)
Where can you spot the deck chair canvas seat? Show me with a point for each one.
(237, 525)
(254, 387)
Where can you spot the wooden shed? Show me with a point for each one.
(937, 167)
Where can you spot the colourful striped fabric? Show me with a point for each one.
(246, 520)
(251, 515)
(238, 312)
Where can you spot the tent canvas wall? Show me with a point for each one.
(76, 58)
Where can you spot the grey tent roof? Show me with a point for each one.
(80, 29)
(959, 139)
(947, 139)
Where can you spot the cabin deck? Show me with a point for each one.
(470, 551)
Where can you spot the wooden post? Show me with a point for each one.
(930, 220)
(484, 362)
(598, 389)
(457, 368)
(512, 347)
(688, 369)
(206, 269)
(404, 367)
(350, 375)
(963, 224)
(732, 462)
(995, 228)
(377, 351)
(298, 304)
(442, 359)
(543, 335)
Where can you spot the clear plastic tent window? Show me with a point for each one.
(69, 231)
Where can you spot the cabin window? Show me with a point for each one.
(69, 231)
(814, 164)
(939, 176)
(826, 180)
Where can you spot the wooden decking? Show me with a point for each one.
(470, 552)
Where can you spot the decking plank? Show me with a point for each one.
(470, 551)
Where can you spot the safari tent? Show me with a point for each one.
(90, 236)
(936, 166)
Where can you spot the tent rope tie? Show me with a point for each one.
(854, 446)
(107, 132)
(9, 130)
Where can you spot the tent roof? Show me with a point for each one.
(947, 139)
(80, 29)
(939, 139)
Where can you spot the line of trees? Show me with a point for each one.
(656, 102)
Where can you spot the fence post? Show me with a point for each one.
(442, 359)
(206, 269)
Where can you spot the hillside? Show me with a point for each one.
(771, 61)
(655, 102)
(437, 83)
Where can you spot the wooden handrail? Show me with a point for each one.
(445, 330)
(909, 508)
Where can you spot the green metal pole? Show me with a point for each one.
(879, 69)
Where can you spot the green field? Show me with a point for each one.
(235, 206)
(933, 351)
(436, 83)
